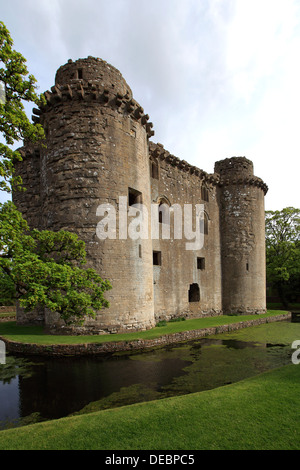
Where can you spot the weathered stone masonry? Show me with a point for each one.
(110, 347)
(98, 148)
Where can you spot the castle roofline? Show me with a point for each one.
(93, 91)
(234, 170)
(158, 151)
(92, 69)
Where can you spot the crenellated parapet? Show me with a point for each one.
(108, 88)
(158, 152)
(242, 221)
(235, 170)
(95, 166)
(254, 181)
(238, 171)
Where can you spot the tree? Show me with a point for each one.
(7, 290)
(18, 86)
(283, 252)
(46, 268)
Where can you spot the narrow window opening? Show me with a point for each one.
(201, 263)
(163, 213)
(134, 197)
(204, 194)
(247, 266)
(160, 216)
(157, 258)
(154, 170)
(140, 250)
(194, 293)
(80, 74)
(204, 224)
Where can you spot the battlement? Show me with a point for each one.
(238, 170)
(100, 83)
(235, 166)
(98, 158)
(157, 151)
(92, 69)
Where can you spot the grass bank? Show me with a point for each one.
(260, 413)
(35, 334)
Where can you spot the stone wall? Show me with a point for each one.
(98, 150)
(178, 183)
(110, 347)
(242, 223)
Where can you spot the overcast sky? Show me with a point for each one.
(218, 78)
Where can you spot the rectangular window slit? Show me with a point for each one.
(157, 258)
(134, 197)
(201, 263)
(154, 170)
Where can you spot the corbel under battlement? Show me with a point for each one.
(158, 152)
(92, 91)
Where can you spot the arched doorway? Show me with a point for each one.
(194, 293)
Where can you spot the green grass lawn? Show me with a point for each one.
(260, 413)
(35, 334)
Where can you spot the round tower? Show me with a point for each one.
(95, 166)
(242, 222)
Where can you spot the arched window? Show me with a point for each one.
(194, 293)
(164, 210)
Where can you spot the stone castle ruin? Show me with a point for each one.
(98, 153)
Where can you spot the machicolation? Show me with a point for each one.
(98, 153)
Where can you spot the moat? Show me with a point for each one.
(35, 388)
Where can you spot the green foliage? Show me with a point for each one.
(161, 323)
(172, 320)
(14, 124)
(7, 290)
(283, 252)
(45, 268)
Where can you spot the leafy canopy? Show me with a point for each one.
(17, 87)
(283, 250)
(46, 269)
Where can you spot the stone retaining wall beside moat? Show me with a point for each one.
(109, 347)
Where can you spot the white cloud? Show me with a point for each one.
(218, 77)
(258, 37)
